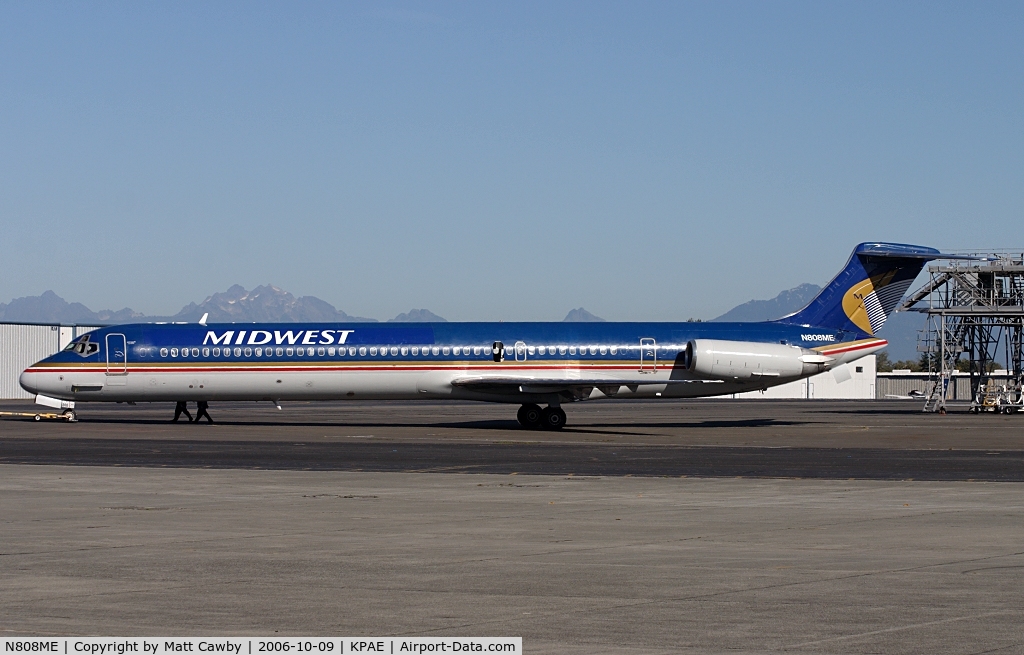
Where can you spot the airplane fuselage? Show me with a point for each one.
(281, 362)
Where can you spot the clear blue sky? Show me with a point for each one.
(649, 161)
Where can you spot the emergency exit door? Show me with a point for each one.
(648, 356)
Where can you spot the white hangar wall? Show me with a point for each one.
(24, 344)
(860, 385)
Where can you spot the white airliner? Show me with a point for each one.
(527, 364)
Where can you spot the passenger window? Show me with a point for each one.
(572, 350)
(593, 350)
(300, 352)
(238, 352)
(415, 350)
(195, 352)
(321, 352)
(561, 350)
(394, 351)
(860, 369)
(289, 351)
(445, 350)
(280, 352)
(362, 351)
(373, 351)
(434, 351)
(456, 350)
(248, 352)
(615, 351)
(405, 351)
(259, 352)
(270, 352)
(227, 352)
(530, 350)
(330, 351)
(163, 352)
(476, 350)
(604, 350)
(206, 352)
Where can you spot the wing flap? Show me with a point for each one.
(609, 387)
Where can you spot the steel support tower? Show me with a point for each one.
(975, 312)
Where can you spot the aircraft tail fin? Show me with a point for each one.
(863, 295)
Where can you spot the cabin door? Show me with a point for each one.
(648, 356)
(520, 351)
(117, 360)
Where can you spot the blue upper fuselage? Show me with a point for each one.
(299, 341)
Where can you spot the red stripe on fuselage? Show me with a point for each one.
(873, 344)
(395, 367)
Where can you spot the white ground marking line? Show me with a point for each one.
(902, 627)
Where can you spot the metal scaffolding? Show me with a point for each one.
(975, 312)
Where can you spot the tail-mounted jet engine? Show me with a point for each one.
(744, 360)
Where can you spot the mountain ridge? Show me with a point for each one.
(785, 303)
(267, 303)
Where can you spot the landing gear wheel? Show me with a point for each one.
(70, 415)
(529, 416)
(552, 418)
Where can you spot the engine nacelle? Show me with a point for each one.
(745, 360)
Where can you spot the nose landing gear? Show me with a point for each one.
(533, 417)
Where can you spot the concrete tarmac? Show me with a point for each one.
(101, 534)
(697, 438)
(573, 565)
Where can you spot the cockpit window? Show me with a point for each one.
(83, 346)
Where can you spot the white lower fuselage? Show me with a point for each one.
(286, 381)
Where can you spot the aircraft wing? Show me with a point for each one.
(608, 386)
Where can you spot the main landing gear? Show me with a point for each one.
(533, 417)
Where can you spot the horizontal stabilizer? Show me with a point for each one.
(901, 251)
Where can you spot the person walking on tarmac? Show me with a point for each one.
(202, 406)
(179, 409)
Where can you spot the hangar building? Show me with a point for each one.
(24, 344)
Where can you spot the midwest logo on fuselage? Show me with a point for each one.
(277, 337)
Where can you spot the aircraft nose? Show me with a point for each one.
(29, 382)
